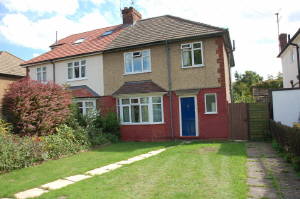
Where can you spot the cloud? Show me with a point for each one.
(20, 30)
(63, 7)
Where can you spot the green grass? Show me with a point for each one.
(195, 170)
(19, 180)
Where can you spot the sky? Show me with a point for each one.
(28, 27)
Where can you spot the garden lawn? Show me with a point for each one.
(195, 170)
(23, 179)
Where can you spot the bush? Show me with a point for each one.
(34, 108)
(289, 140)
(5, 128)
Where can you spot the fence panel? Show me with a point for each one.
(258, 120)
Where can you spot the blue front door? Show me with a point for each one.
(188, 116)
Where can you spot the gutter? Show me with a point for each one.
(298, 61)
(168, 62)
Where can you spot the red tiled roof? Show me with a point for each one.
(82, 91)
(93, 42)
(135, 87)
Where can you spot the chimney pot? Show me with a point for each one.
(282, 40)
(130, 15)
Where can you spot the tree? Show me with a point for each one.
(34, 108)
(242, 86)
(271, 82)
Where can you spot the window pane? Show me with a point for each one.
(79, 104)
(70, 73)
(197, 57)
(156, 99)
(89, 111)
(187, 57)
(126, 114)
(137, 64)
(76, 63)
(145, 114)
(82, 71)
(146, 53)
(44, 69)
(89, 104)
(134, 101)
(76, 70)
(125, 101)
(144, 100)
(157, 117)
(146, 63)
(38, 76)
(128, 62)
(38, 70)
(210, 103)
(81, 110)
(197, 45)
(83, 62)
(44, 76)
(135, 113)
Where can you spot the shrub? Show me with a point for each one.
(34, 108)
(111, 124)
(5, 127)
(17, 152)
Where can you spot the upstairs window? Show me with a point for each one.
(137, 62)
(211, 103)
(192, 55)
(77, 70)
(41, 74)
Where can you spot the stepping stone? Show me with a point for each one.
(137, 158)
(123, 162)
(97, 171)
(77, 178)
(111, 167)
(30, 193)
(57, 184)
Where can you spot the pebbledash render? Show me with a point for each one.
(166, 77)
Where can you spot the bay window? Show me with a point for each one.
(86, 106)
(77, 70)
(137, 62)
(192, 55)
(141, 110)
(211, 103)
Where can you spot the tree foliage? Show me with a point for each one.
(34, 108)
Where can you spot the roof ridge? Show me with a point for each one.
(195, 22)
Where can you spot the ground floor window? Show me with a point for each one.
(211, 103)
(144, 110)
(86, 106)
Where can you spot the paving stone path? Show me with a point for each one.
(60, 183)
(269, 176)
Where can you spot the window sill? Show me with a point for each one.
(136, 73)
(194, 66)
(129, 124)
(78, 79)
(211, 113)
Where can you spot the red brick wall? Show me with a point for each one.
(213, 126)
(106, 104)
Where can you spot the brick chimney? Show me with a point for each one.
(130, 15)
(282, 40)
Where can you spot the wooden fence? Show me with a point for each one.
(249, 121)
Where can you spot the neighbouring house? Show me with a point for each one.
(290, 60)
(166, 77)
(10, 71)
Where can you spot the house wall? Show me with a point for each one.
(182, 78)
(289, 67)
(4, 83)
(94, 73)
(211, 126)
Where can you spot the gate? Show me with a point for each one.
(239, 121)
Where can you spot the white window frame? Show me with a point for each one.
(150, 110)
(141, 51)
(192, 49)
(84, 105)
(216, 99)
(43, 73)
(80, 68)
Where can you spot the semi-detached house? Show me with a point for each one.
(166, 77)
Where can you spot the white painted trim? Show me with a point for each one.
(202, 55)
(41, 73)
(84, 100)
(79, 66)
(196, 114)
(211, 113)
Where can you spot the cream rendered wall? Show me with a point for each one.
(94, 73)
(289, 67)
